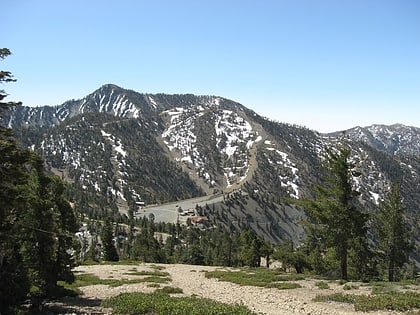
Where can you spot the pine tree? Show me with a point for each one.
(333, 217)
(67, 226)
(107, 237)
(249, 253)
(36, 222)
(394, 233)
(48, 224)
(14, 283)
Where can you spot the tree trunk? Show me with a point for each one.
(343, 262)
(391, 270)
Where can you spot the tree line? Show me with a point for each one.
(157, 242)
(344, 239)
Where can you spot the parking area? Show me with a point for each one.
(168, 212)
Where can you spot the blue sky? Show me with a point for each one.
(327, 65)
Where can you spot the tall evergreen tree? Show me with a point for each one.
(334, 220)
(36, 222)
(394, 233)
(107, 237)
(48, 224)
(14, 283)
(249, 253)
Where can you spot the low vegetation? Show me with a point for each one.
(350, 286)
(169, 290)
(147, 273)
(259, 277)
(87, 279)
(395, 296)
(158, 303)
(398, 301)
(322, 285)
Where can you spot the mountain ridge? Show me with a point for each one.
(117, 147)
(394, 139)
(106, 88)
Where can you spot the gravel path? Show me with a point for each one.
(193, 282)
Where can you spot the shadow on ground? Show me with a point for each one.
(75, 305)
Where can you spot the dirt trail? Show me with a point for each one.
(192, 280)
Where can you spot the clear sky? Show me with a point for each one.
(327, 65)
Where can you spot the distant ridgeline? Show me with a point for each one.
(119, 149)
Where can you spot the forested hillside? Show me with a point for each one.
(119, 146)
(121, 151)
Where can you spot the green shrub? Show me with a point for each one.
(322, 285)
(159, 304)
(86, 279)
(153, 279)
(384, 288)
(399, 301)
(147, 273)
(350, 286)
(336, 297)
(257, 277)
(169, 290)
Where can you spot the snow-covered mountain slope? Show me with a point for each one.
(394, 139)
(117, 146)
(228, 134)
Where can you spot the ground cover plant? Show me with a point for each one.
(397, 301)
(169, 290)
(259, 277)
(86, 279)
(147, 273)
(163, 304)
(322, 285)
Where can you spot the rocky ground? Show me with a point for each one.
(193, 282)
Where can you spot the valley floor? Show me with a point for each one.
(192, 280)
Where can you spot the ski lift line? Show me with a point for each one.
(49, 232)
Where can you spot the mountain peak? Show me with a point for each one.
(106, 88)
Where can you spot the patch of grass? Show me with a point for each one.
(384, 288)
(155, 303)
(336, 297)
(147, 273)
(86, 279)
(169, 290)
(322, 285)
(284, 285)
(158, 267)
(154, 279)
(399, 301)
(350, 286)
(255, 277)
